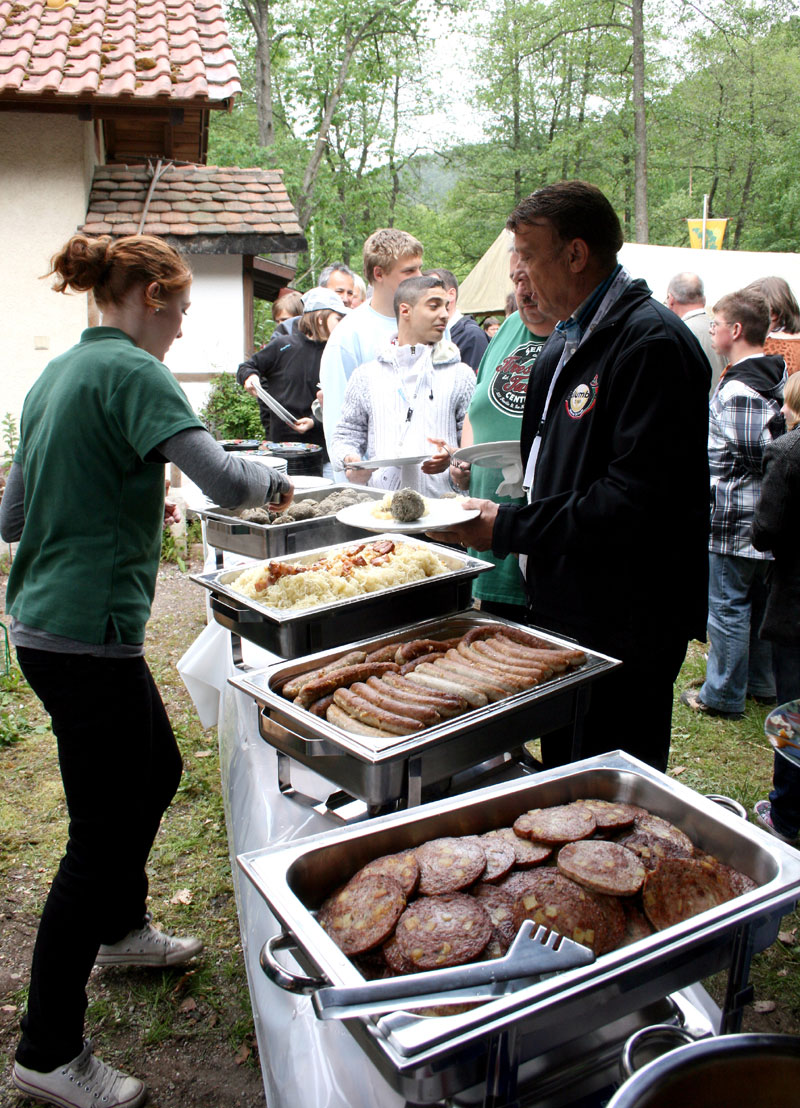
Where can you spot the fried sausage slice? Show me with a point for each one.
(679, 889)
(602, 867)
(561, 823)
(437, 931)
(449, 864)
(363, 913)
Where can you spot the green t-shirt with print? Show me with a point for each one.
(94, 489)
(495, 414)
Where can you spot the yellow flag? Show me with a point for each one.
(715, 232)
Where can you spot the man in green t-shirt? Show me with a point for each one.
(495, 415)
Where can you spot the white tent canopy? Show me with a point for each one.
(722, 271)
(488, 284)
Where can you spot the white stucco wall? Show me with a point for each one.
(213, 333)
(46, 164)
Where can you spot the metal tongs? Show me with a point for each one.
(274, 405)
(533, 953)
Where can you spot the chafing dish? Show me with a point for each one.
(225, 531)
(383, 770)
(427, 1058)
(293, 633)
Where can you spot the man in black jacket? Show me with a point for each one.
(613, 540)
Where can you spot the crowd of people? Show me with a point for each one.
(628, 470)
(657, 502)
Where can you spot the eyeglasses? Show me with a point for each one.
(715, 323)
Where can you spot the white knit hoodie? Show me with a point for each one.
(432, 383)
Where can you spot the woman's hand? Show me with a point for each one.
(284, 502)
(303, 425)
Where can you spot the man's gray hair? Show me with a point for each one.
(687, 288)
(329, 270)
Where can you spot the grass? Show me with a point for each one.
(733, 758)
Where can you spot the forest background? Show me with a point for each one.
(436, 116)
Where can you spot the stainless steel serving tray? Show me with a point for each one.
(430, 1057)
(293, 633)
(225, 531)
(378, 770)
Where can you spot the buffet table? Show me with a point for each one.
(539, 1043)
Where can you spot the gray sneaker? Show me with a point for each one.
(148, 947)
(85, 1082)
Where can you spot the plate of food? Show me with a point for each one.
(407, 512)
(493, 455)
(782, 728)
(383, 463)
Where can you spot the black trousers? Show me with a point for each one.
(120, 766)
(630, 707)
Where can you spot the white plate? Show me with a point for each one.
(493, 455)
(782, 728)
(443, 513)
(382, 463)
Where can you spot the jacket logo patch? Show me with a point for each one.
(582, 399)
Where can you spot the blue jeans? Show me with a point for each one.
(785, 795)
(738, 661)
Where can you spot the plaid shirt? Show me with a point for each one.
(738, 430)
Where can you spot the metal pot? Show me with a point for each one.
(722, 1072)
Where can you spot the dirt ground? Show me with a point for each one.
(187, 1033)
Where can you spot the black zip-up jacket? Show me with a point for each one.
(777, 528)
(288, 368)
(617, 531)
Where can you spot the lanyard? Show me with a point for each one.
(422, 378)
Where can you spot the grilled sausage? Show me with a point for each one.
(338, 718)
(341, 678)
(478, 679)
(509, 682)
(366, 712)
(526, 675)
(293, 686)
(410, 666)
(557, 654)
(435, 681)
(320, 707)
(408, 651)
(489, 652)
(446, 706)
(383, 653)
(513, 633)
(387, 703)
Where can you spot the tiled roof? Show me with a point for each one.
(143, 49)
(195, 200)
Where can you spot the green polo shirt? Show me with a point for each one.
(94, 489)
(495, 414)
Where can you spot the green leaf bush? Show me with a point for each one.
(230, 412)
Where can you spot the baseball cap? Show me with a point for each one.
(320, 299)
